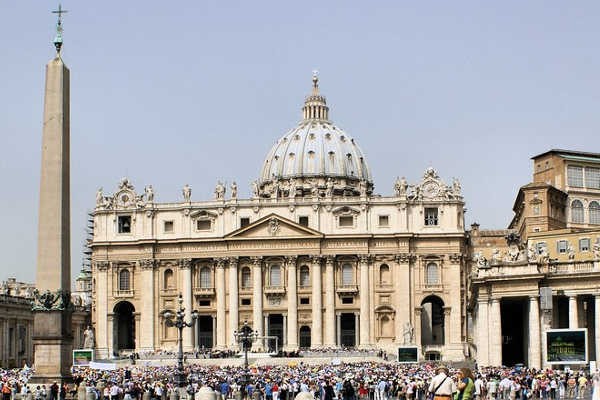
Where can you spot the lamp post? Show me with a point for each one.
(245, 336)
(176, 319)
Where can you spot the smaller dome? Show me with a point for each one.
(315, 158)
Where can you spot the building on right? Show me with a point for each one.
(536, 284)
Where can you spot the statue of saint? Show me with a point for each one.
(149, 194)
(596, 249)
(255, 192)
(329, 190)
(456, 187)
(408, 333)
(234, 190)
(219, 191)
(88, 338)
(99, 198)
(292, 189)
(401, 186)
(187, 193)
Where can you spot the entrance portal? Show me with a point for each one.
(205, 332)
(304, 337)
(124, 326)
(432, 321)
(515, 329)
(275, 329)
(348, 330)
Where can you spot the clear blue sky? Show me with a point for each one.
(169, 93)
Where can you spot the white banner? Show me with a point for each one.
(103, 366)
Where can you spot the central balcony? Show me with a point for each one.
(347, 289)
(204, 291)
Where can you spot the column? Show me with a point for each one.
(110, 318)
(417, 326)
(338, 323)
(317, 305)
(447, 324)
(102, 328)
(148, 317)
(185, 266)
(285, 333)
(364, 301)
(292, 297)
(597, 326)
(220, 292)
(214, 332)
(495, 333)
(357, 325)
(573, 317)
(330, 321)
(483, 355)
(534, 355)
(257, 301)
(233, 301)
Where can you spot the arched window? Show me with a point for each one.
(205, 278)
(384, 274)
(594, 213)
(124, 280)
(275, 275)
(577, 212)
(168, 281)
(304, 276)
(432, 274)
(246, 278)
(347, 274)
(386, 328)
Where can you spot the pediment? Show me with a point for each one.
(274, 227)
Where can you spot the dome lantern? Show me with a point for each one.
(315, 105)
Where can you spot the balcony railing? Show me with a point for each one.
(347, 289)
(274, 289)
(204, 291)
(124, 293)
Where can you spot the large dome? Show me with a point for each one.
(315, 157)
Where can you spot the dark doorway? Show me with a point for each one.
(275, 329)
(304, 337)
(515, 329)
(432, 321)
(348, 330)
(561, 313)
(205, 332)
(124, 326)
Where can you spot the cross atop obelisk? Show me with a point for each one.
(52, 337)
(58, 41)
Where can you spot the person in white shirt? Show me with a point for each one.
(478, 387)
(441, 385)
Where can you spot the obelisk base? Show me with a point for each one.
(52, 346)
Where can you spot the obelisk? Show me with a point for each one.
(52, 337)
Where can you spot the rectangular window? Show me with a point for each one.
(304, 300)
(540, 246)
(575, 176)
(561, 246)
(384, 220)
(204, 303)
(431, 216)
(584, 244)
(124, 223)
(346, 221)
(246, 302)
(347, 300)
(592, 178)
(168, 226)
(203, 224)
(244, 222)
(303, 220)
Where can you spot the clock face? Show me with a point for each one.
(430, 189)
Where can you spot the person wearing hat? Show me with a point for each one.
(441, 384)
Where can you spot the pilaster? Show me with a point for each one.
(365, 323)
(233, 301)
(257, 300)
(292, 300)
(185, 266)
(534, 353)
(495, 332)
(330, 318)
(220, 292)
(148, 315)
(483, 334)
(573, 314)
(317, 304)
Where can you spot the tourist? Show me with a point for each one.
(441, 385)
(465, 385)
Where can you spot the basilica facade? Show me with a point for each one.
(313, 259)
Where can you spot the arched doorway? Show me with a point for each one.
(432, 321)
(304, 337)
(124, 326)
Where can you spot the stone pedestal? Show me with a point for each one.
(53, 346)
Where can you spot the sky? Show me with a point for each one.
(169, 93)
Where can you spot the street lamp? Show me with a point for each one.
(245, 336)
(176, 319)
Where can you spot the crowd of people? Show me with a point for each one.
(345, 381)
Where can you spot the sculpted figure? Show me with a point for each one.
(362, 186)
(88, 338)
(187, 193)
(596, 249)
(531, 253)
(292, 189)
(255, 192)
(234, 190)
(570, 252)
(496, 255)
(219, 191)
(408, 333)
(329, 190)
(400, 186)
(480, 259)
(456, 187)
(99, 198)
(149, 194)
